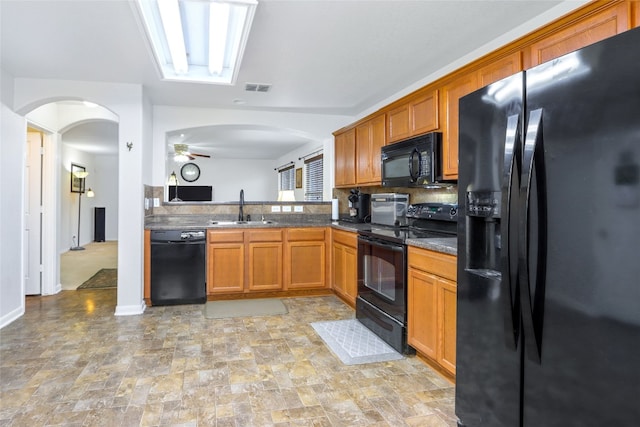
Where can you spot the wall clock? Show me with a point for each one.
(190, 172)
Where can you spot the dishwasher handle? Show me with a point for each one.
(178, 236)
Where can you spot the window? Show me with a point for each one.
(313, 179)
(287, 178)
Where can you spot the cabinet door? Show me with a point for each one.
(424, 113)
(593, 28)
(345, 158)
(453, 91)
(225, 267)
(351, 274)
(447, 303)
(370, 138)
(265, 266)
(338, 268)
(398, 123)
(422, 312)
(500, 69)
(344, 259)
(306, 266)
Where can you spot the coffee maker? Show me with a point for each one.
(359, 206)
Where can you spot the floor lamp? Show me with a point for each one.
(81, 175)
(173, 180)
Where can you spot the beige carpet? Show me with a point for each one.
(105, 278)
(244, 308)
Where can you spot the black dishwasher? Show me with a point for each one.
(178, 267)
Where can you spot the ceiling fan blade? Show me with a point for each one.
(201, 155)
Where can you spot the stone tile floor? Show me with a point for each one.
(69, 361)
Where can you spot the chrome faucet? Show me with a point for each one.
(241, 207)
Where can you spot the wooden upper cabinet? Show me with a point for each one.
(635, 13)
(500, 69)
(417, 116)
(345, 158)
(370, 138)
(605, 23)
(423, 112)
(452, 92)
(398, 126)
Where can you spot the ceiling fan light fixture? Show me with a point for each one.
(189, 48)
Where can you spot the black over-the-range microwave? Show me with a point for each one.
(414, 162)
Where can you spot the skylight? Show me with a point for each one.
(198, 40)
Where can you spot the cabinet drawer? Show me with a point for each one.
(225, 236)
(442, 265)
(346, 238)
(306, 234)
(264, 235)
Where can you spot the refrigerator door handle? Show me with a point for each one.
(532, 299)
(512, 166)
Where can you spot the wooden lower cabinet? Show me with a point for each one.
(432, 302)
(265, 259)
(305, 260)
(147, 268)
(344, 256)
(225, 261)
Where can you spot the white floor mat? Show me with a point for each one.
(353, 343)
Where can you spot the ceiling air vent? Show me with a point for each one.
(257, 87)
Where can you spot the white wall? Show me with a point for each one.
(327, 148)
(13, 134)
(104, 182)
(316, 127)
(102, 179)
(228, 176)
(127, 102)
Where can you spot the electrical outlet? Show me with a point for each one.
(146, 203)
(156, 202)
(298, 208)
(286, 209)
(275, 208)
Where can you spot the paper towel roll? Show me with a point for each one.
(334, 209)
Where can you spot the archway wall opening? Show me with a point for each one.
(127, 102)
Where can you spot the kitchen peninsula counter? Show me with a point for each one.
(448, 245)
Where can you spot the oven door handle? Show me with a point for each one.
(382, 244)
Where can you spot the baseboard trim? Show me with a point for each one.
(12, 316)
(130, 310)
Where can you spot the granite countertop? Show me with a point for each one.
(447, 245)
(199, 222)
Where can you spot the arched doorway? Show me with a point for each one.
(80, 133)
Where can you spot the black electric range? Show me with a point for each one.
(425, 220)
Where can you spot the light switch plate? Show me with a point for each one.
(298, 208)
(286, 209)
(146, 203)
(275, 208)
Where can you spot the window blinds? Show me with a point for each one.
(287, 178)
(313, 179)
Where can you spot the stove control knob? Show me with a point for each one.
(453, 211)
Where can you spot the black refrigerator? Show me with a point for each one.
(548, 315)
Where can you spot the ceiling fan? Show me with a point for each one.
(182, 153)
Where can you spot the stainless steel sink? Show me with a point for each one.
(213, 222)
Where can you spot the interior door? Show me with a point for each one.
(33, 215)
